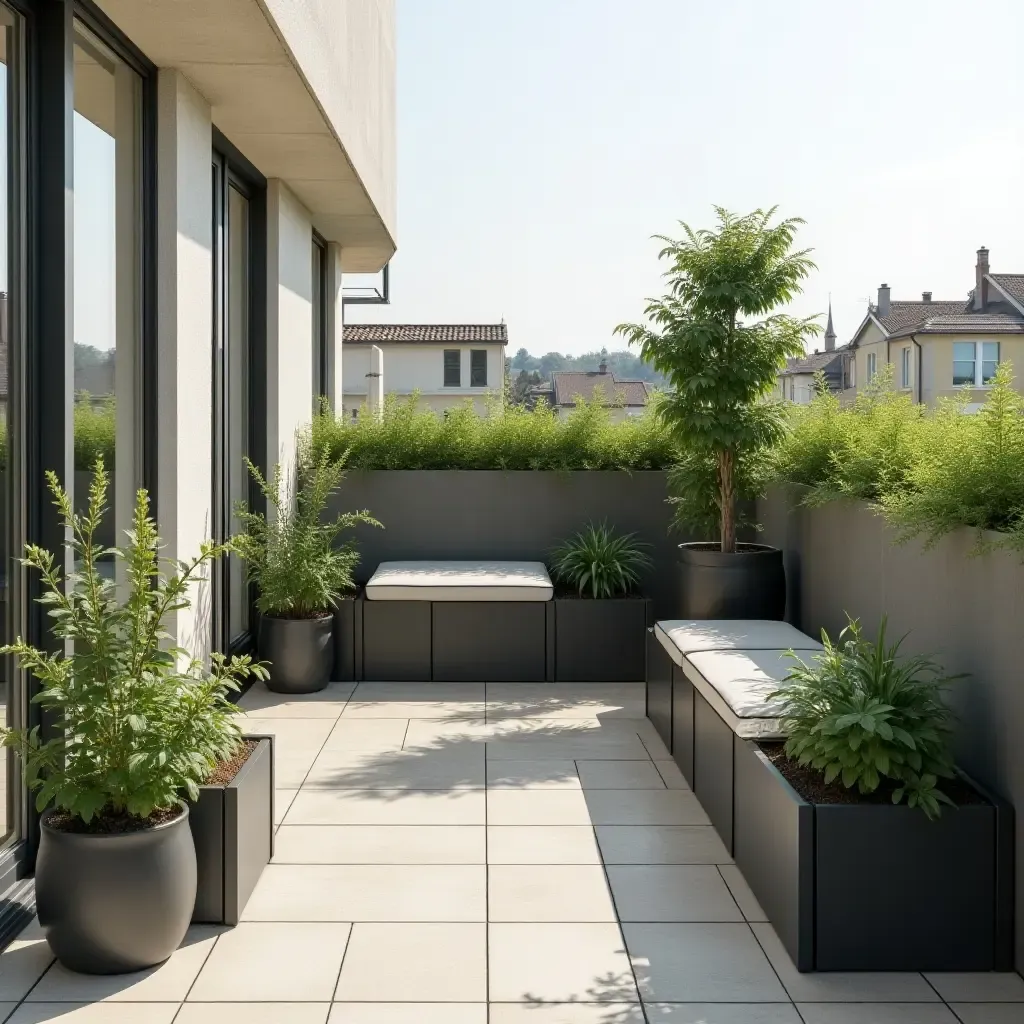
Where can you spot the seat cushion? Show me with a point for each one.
(460, 581)
(737, 684)
(682, 637)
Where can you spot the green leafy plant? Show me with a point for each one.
(861, 713)
(721, 366)
(294, 556)
(95, 431)
(601, 561)
(136, 720)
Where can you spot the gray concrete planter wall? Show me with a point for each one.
(874, 887)
(967, 611)
(233, 829)
(601, 640)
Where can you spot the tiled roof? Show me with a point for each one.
(964, 323)
(569, 385)
(829, 363)
(905, 314)
(428, 334)
(1012, 284)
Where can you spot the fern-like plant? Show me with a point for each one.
(861, 713)
(295, 557)
(137, 721)
(599, 561)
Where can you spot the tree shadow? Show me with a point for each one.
(615, 995)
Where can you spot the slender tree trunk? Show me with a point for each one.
(728, 500)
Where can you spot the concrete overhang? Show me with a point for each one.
(277, 74)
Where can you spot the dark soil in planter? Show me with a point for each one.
(712, 545)
(811, 784)
(227, 770)
(300, 615)
(110, 822)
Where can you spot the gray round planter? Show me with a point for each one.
(109, 904)
(747, 584)
(300, 652)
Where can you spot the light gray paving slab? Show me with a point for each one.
(661, 844)
(988, 987)
(676, 892)
(876, 1013)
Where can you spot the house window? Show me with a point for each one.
(452, 368)
(792, 389)
(478, 368)
(974, 362)
(851, 368)
(905, 368)
(872, 365)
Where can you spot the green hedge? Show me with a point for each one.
(927, 471)
(508, 438)
(95, 430)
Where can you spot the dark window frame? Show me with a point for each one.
(321, 320)
(473, 353)
(455, 370)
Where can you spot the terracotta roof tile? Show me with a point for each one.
(568, 385)
(1012, 284)
(427, 334)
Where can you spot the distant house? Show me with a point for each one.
(444, 363)
(623, 398)
(796, 381)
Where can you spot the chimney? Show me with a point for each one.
(980, 284)
(602, 367)
(926, 296)
(882, 309)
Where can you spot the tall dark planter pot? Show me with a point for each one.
(300, 652)
(747, 584)
(110, 904)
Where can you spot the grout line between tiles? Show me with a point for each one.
(341, 965)
(487, 887)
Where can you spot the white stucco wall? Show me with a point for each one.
(185, 316)
(418, 367)
(289, 322)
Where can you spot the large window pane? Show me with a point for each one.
(989, 360)
(963, 363)
(107, 274)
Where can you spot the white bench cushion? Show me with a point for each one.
(683, 637)
(460, 581)
(737, 683)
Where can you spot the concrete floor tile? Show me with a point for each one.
(644, 807)
(546, 892)
(532, 775)
(95, 1013)
(661, 844)
(168, 982)
(542, 844)
(559, 963)
(676, 892)
(259, 702)
(369, 892)
(721, 1013)
(841, 986)
(876, 1013)
(537, 807)
(994, 987)
(282, 801)
(408, 1013)
(23, 962)
(386, 807)
(380, 844)
(415, 963)
(338, 768)
(376, 734)
(253, 1013)
(671, 774)
(988, 1013)
(273, 962)
(566, 700)
(701, 963)
(567, 1013)
(619, 775)
(741, 893)
(297, 741)
(417, 700)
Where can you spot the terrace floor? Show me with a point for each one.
(499, 854)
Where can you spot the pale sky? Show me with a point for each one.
(542, 142)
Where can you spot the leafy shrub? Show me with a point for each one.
(293, 557)
(506, 437)
(861, 713)
(600, 560)
(95, 432)
(968, 471)
(136, 721)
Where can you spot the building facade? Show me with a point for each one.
(623, 399)
(797, 382)
(186, 182)
(444, 365)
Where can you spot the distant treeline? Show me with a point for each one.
(625, 365)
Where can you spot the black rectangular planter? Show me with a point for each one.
(601, 640)
(683, 695)
(347, 628)
(492, 641)
(233, 831)
(875, 886)
(659, 687)
(396, 641)
(712, 779)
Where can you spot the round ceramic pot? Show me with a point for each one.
(300, 652)
(747, 584)
(109, 904)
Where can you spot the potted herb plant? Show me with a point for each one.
(300, 568)
(865, 847)
(600, 619)
(135, 724)
(721, 363)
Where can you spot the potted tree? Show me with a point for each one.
(300, 568)
(136, 723)
(600, 619)
(721, 365)
(863, 844)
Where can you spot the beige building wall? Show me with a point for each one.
(937, 365)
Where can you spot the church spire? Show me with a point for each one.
(830, 334)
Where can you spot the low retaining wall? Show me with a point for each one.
(513, 515)
(967, 611)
